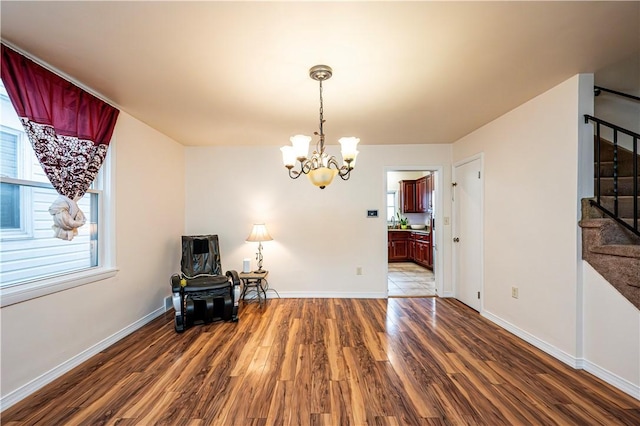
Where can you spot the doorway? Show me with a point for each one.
(467, 231)
(411, 199)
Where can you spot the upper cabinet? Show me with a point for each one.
(416, 195)
(408, 194)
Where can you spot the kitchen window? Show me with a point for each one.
(392, 205)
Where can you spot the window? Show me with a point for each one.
(32, 261)
(9, 193)
(391, 205)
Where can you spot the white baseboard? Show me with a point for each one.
(578, 363)
(327, 295)
(22, 392)
(530, 338)
(613, 379)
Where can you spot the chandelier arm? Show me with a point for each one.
(306, 166)
(344, 173)
(294, 174)
(333, 162)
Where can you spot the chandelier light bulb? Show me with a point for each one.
(300, 145)
(288, 156)
(349, 148)
(350, 164)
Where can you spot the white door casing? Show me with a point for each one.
(467, 231)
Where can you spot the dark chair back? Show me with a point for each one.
(200, 255)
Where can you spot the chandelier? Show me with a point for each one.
(321, 168)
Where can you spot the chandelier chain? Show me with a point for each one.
(321, 119)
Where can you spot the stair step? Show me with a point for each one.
(625, 205)
(622, 250)
(625, 168)
(606, 151)
(625, 185)
(629, 221)
(613, 251)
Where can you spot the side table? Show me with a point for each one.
(256, 280)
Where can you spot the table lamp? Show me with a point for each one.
(259, 234)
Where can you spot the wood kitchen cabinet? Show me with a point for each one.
(416, 194)
(410, 246)
(398, 246)
(422, 203)
(429, 193)
(408, 193)
(423, 254)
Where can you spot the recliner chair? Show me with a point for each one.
(201, 293)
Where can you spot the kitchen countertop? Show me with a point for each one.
(419, 231)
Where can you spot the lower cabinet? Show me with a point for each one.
(410, 246)
(423, 254)
(398, 245)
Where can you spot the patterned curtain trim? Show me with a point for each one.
(71, 164)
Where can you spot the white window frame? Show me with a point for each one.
(26, 202)
(21, 292)
(395, 206)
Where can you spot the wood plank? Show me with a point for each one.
(328, 362)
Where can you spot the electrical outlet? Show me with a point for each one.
(514, 292)
(359, 270)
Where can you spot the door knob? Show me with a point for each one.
(456, 240)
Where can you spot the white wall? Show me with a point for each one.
(538, 163)
(530, 217)
(623, 76)
(45, 334)
(611, 333)
(320, 236)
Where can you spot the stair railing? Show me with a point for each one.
(597, 202)
(597, 90)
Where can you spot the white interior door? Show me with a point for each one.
(467, 232)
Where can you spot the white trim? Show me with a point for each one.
(23, 291)
(530, 338)
(438, 265)
(59, 73)
(614, 380)
(573, 362)
(454, 226)
(326, 295)
(23, 391)
(11, 295)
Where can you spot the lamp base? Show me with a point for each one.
(260, 271)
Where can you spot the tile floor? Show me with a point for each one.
(406, 279)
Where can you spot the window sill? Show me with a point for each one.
(27, 291)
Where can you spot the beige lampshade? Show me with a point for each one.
(322, 176)
(288, 156)
(259, 233)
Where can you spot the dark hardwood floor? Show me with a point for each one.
(328, 361)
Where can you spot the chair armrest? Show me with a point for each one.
(235, 279)
(175, 283)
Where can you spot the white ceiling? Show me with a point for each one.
(220, 73)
